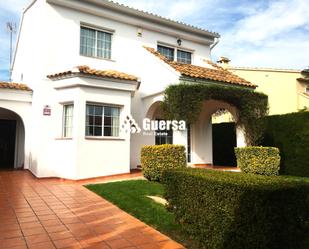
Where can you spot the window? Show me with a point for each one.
(95, 43)
(67, 120)
(167, 52)
(307, 90)
(102, 120)
(184, 57)
(164, 137)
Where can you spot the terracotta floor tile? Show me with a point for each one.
(9, 243)
(140, 240)
(33, 231)
(34, 224)
(25, 214)
(11, 234)
(61, 235)
(99, 245)
(47, 217)
(64, 243)
(57, 228)
(50, 214)
(48, 223)
(118, 243)
(27, 219)
(43, 245)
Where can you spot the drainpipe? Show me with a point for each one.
(216, 41)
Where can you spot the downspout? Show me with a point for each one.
(216, 41)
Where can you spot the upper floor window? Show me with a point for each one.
(169, 53)
(102, 120)
(95, 43)
(67, 120)
(184, 56)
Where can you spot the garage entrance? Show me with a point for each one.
(7, 143)
(12, 139)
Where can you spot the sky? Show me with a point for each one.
(258, 33)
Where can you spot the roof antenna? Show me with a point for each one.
(11, 28)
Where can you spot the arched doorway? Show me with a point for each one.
(12, 140)
(203, 139)
(160, 136)
(224, 138)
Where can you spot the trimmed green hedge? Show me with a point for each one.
(156, 158)
(290, 133)
(239, 211)
(258, 160)
(185, 102)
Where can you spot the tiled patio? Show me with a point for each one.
(44, 214)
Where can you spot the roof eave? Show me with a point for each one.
(145, 15)
(233, 84)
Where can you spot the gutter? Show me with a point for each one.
(19, 30)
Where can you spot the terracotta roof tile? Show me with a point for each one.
(85, 70)
(214, 72)
(14, 86)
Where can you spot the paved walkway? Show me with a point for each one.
(45, 214)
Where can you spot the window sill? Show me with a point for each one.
(64, 138)
(99, 58)
(104, 138)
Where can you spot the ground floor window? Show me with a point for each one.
(102, 120)
(164, 137)
(67, 120)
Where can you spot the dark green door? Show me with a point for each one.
(7, 143)
(224, 141)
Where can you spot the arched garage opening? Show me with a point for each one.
(12, 140)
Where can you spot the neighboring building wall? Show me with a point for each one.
(281, 86)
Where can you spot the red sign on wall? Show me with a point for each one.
(46, 110)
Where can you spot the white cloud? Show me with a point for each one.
(275, 36)
(177, 9)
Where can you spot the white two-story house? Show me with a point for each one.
(83, 68)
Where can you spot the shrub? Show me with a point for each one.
(184, 101)
(239, 211)
(156, 158)
(258, 160)
(290, 133)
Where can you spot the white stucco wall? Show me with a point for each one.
(49, 43)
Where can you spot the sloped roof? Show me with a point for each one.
(154, 18)
(213, 72)
(86, 70)
(14, 86)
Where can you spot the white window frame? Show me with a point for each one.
(96, 29)
(176, 48)
(103, 105)
(64, 120)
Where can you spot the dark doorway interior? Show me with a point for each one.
(7, 143)
(224, 141)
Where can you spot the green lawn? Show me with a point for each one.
(131, 196)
